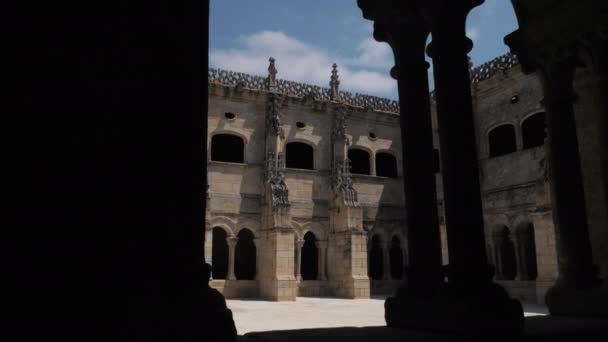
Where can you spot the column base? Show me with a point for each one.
(481, 312)
(562, 300)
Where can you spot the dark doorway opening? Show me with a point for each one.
(533, 130)
(386, 165)
(299, 156)
(508, 263)
(245, 256)
(310, 257)
(227, 148)
(375, 269)
(359, 161)
(219, 254)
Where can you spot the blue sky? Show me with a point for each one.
(307, 36)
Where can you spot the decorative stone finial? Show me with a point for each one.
(272, 75)
(334, 84)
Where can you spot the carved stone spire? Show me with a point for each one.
(272, 75)
(334, 84)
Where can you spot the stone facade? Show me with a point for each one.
(358, 220)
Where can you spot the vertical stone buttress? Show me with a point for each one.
(347, 249)
(276, 279)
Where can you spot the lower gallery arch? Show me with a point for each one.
(310, 257)
(508, 263)
(529, 252)
(245, 256)
(396, 258)
(219, 254)
(375, 269)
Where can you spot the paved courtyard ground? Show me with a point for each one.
(255, 315)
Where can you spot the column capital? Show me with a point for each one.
(231, 240)
(300, 243)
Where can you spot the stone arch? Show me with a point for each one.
(533, 130)
(528, 266)
(219, 253)
(299, 155)
(386, 164)
(505, 259)
(227, 147)
(360, 160)
(225, 223)
(245, 255)
(501, 140)
(375, 255)
(310, 257)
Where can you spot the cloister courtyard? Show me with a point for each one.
(307, 312)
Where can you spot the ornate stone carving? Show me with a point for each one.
(338, 132)
(300, 90)
(273, 114)
(272, 75)
(491, 68)
(334, 84)
(342, 183)
(279, 194)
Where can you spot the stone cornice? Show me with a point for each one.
(300, 90)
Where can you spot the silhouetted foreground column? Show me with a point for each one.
(575, 263)
(471, 303)
(556, 54)
(470, 286)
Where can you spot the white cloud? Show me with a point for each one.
(473, 33)
(302, 62)
(373, 54)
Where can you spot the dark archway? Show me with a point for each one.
(310, 257)
(386, 165)
(508, 262)
(219, 254)
(227, 148)
(396, 258)
(375, 267)
(529, 252)
(533, 130)
(245, 256)
(501, 140)
(299, 156)
(359, 161)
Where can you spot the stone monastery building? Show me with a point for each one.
(306, 186)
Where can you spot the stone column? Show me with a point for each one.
(372, 166)
(488, 306)
(407, 37)
(496, 257)
(298, 261)
(567, 195)
(231, 248)
(257, 259)
(520, 261)
(386, 262)
(209, 246)
(321, 249)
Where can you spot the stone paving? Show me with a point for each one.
(256, 315)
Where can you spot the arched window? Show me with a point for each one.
(227, 148)
(375, 269)
(299, 156)
(219, 254)
(508, 263)
(310, 257)
(244, 256)
(386, 165)
(436, 161)
(502, 140)
(396, 258)
(359, 161)
(533, 130)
